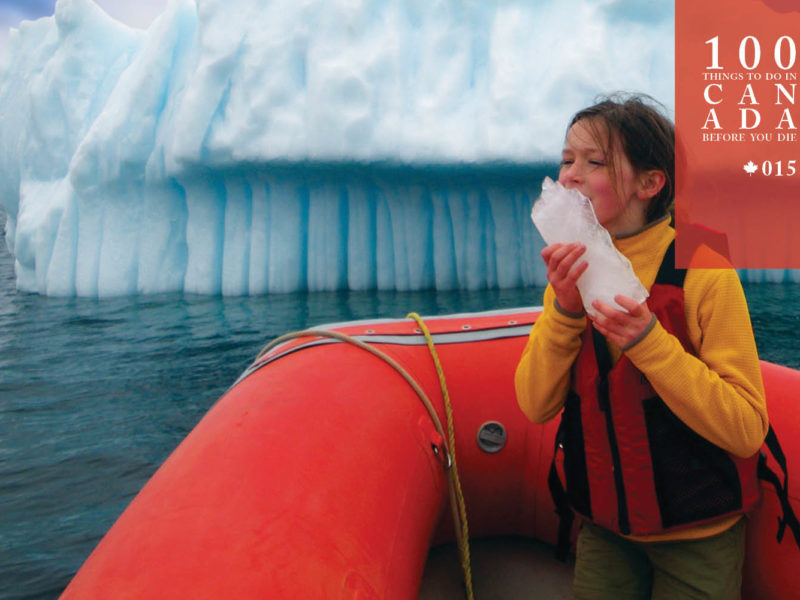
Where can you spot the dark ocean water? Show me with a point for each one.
(94, 394)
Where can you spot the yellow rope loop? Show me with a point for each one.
(456, 495)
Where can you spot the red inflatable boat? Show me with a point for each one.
(321, 474)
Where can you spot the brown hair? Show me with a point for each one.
(636, 126)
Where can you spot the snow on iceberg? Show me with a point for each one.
(253, 146)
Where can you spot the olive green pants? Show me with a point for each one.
(612, 567)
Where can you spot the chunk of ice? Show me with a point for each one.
(565, 215)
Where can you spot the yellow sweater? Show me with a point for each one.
(719, 393)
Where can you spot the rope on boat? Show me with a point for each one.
(449, 459)
(456, 495)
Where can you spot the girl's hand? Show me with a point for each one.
(560, 260)
(622, 328)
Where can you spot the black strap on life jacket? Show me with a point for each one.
(789, 519)
(563, 509)
(604, 366)
(668, 273)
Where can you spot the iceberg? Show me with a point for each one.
(564, 216)
(252, 146)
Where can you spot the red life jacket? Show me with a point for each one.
(631, 465)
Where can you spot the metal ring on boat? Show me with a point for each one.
(446, 460)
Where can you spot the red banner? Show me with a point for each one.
(738, 156)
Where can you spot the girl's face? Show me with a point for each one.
(618, 201)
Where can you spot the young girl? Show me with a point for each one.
(663, 403)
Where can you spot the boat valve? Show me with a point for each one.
(492, 437)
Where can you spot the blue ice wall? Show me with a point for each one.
(253, 146)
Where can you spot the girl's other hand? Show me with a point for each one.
(563, 273)
(622, 328)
